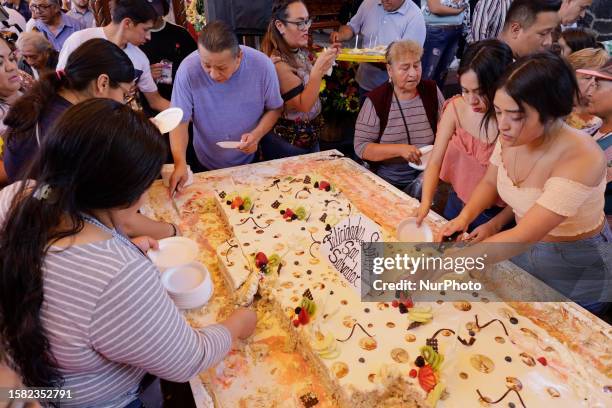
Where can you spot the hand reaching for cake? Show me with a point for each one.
(241, 323)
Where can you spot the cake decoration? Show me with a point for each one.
(254, 222)
(420, 314)
(305, 189)
(427, 378)
(353, 331)
(490, 401)
(309, 400)
(432, 357)
(514, 383)
(489, 322)
(482, 363)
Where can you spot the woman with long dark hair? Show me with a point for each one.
(11, 85)
(80, 305)
(286, 42)
(467, 132)
(553, 177)
(97, 69)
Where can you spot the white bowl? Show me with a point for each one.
(174, 251)
(189, 286)
(407, 231)
(425, 156)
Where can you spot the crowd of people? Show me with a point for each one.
(526, 149)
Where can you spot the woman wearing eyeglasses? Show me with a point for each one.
(98, 69)
(286, 41)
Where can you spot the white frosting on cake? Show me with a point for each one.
(366, 369)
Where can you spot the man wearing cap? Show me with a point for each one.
(380, 22)
(231, 93)
(599, 96)
(129, 28)
(48, 18)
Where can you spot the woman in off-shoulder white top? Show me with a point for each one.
(553, 177)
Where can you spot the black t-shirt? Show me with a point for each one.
(172, 43)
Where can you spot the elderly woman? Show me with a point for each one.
(588, 58)
(37, 54)
(286, 42)
(399, 117)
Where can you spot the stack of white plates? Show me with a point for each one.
(189, 286)
(174, 251)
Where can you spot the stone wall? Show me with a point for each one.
(599, 19)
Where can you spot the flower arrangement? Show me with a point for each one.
(341, 91)
(195, 14)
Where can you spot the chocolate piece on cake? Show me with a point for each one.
(309, 400)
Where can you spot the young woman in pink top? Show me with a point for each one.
(467, 132)
(553, 177)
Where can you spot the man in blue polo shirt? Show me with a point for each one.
(231, 93)
(380, 22)
(48, 18)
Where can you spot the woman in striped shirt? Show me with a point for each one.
(81, 306)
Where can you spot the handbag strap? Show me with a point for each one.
(399, 105)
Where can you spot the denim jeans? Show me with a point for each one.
(580, 270)
(439, 51)
(454, 206)
(273, 147)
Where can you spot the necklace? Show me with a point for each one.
(519, 181)
(94, 221)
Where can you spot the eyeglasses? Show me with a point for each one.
(128, 94)
(595, 82)
(40, 7)
(301, 25)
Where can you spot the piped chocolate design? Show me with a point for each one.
(503, 397)
(353, 331)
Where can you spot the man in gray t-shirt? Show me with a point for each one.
(231, 94)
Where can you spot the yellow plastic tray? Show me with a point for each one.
(345, 55)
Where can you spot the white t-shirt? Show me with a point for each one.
(139, 59)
